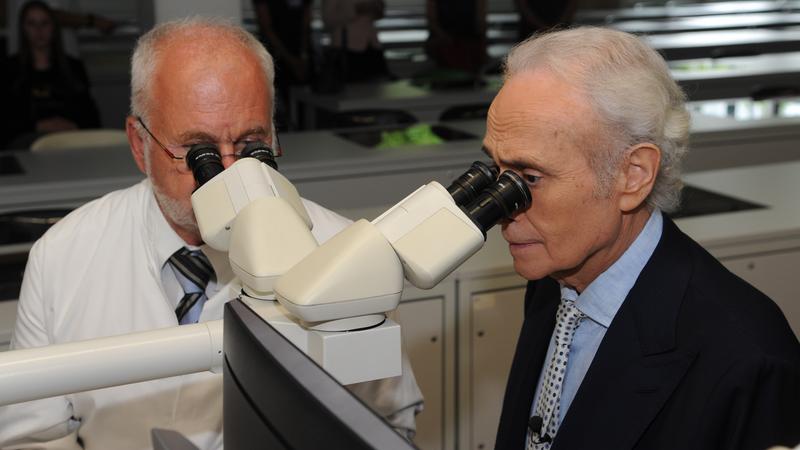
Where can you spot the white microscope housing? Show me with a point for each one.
(361, 270)
(333, 298)
(255, 214)
(353, 279)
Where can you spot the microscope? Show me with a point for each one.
(330, 300)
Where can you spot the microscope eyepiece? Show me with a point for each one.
(204, 161)
(506, 196)
(261, 152)
(466, 188)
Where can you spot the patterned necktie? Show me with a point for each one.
(196, 271)
(548, 404)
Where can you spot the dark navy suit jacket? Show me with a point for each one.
(695, 358)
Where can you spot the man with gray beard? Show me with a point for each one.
(106, 269)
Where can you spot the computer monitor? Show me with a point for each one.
(276, 397)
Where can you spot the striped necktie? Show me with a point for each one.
(193, 271)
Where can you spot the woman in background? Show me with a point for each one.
(46, 90)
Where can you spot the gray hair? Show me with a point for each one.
(146, 54)
(630, 87)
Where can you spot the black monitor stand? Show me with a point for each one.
(276, 397)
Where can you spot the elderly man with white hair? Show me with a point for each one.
(117, 264)
(634, 336)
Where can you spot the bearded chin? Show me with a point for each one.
(178, 212)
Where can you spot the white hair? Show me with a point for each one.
(148, 48)
(629, 86)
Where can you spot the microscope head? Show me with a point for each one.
(219, 200)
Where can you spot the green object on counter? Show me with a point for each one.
(421, 134)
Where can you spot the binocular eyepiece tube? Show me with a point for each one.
(501, 200)
(487, 198)
(205, 161)
(261, 152)
(466, 188)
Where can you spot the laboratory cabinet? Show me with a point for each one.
(428, 330)
(491, 313)
(774, 273)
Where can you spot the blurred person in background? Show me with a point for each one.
(284, 27)
(352, 27)
(535, 15)
(457, 33)
(45, 89)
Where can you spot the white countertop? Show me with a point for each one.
(776, 186)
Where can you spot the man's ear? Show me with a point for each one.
(136, 142)
(638, 175)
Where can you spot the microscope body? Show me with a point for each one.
(255, 214)
(339, 294)
(331, 300)
(361, 270)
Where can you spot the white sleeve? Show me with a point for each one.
(37, 421)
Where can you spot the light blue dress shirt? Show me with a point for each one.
(600, 302)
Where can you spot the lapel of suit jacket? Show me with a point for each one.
(637, 365)
(541, 302)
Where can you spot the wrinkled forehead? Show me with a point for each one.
(542, 102)
(539, 117)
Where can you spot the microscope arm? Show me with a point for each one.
(42, 372)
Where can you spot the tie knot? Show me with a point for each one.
(568, 309)
(194, 265)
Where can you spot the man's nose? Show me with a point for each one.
(228, 154)
(228, 160)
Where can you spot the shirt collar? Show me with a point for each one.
(603, 297)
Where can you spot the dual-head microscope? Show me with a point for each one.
(330, 300)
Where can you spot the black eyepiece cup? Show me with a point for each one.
(205, 162)
(501, 200)
(261, 152)
(466, 188)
